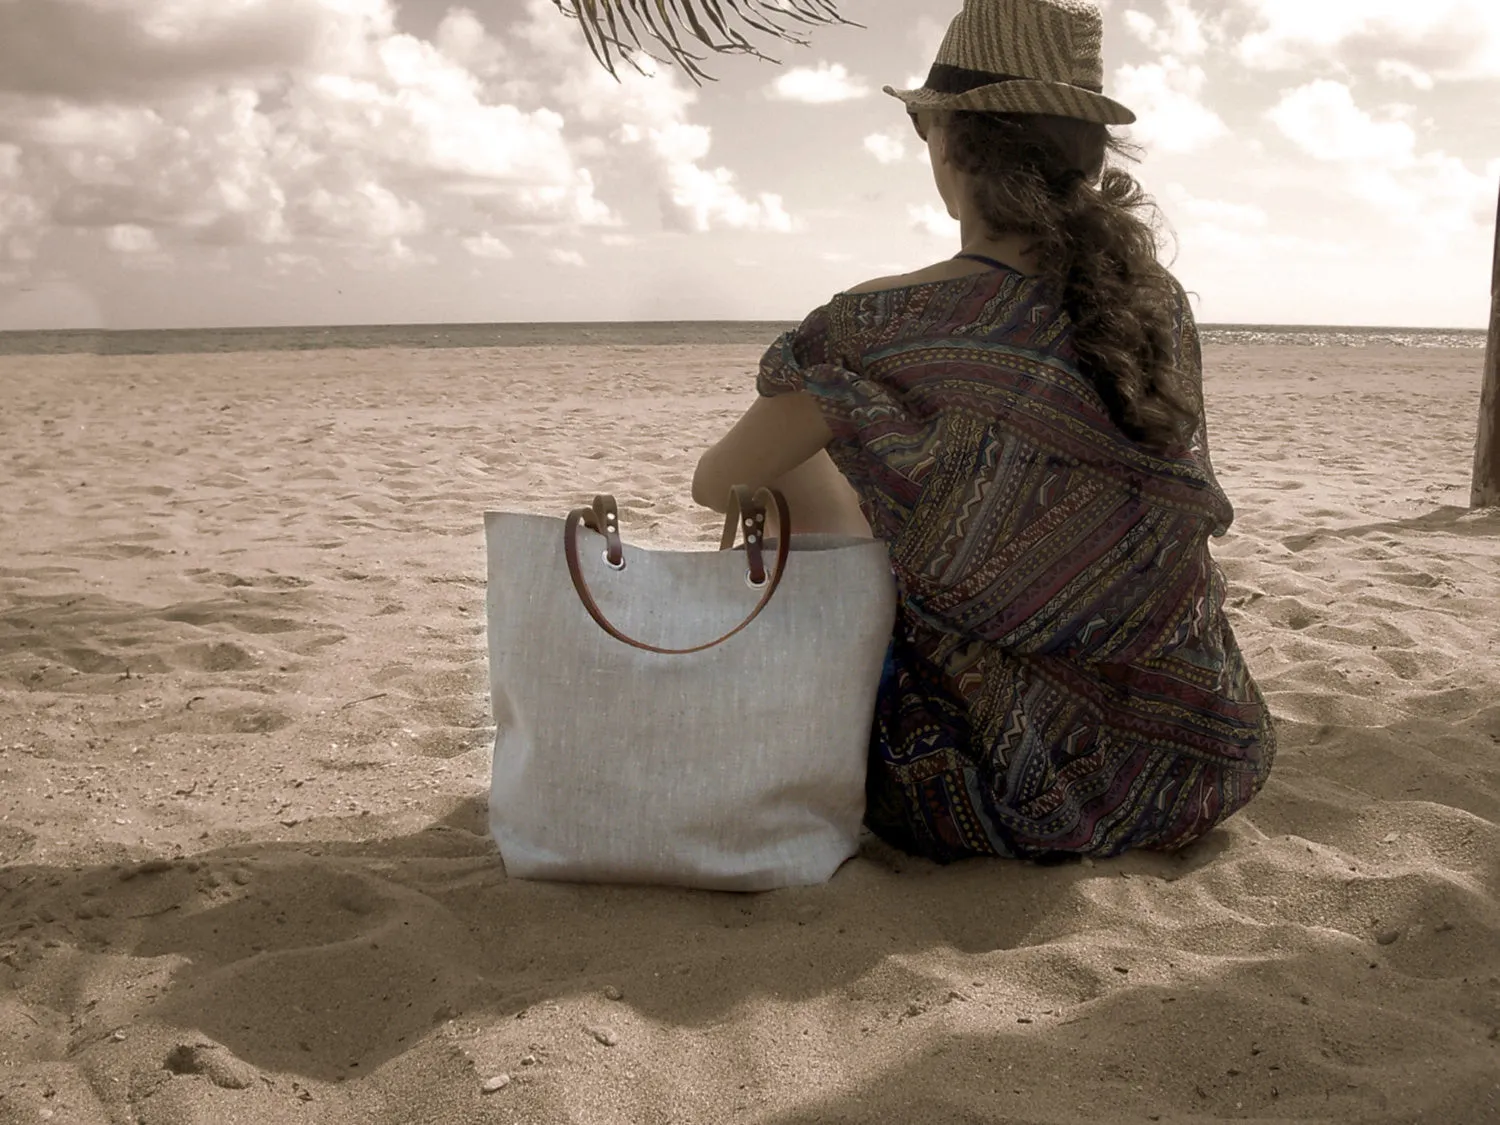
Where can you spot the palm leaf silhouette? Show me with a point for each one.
(620, 28)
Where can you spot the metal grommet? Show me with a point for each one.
(754, 585)
(612, 565)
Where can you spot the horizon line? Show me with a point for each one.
(1224, 325)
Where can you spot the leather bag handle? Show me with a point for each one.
(746, 511)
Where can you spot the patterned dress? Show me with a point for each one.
(1062, 679)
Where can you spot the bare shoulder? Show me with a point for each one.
(876, 284)
(938, 271)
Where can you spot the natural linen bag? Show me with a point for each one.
(655, 723)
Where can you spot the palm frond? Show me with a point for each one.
(614, 29)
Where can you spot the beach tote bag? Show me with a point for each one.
(692, 718)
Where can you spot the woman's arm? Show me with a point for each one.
(769, 446)
(772, 438)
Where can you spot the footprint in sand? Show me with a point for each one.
(14, 843)
(237, 581)
(212, 656)
(113, 551)
(231, 613)
(1298, 614)
(444, 743)
(329, 908)
(392, 674)
(1414, 579)
(214, 1062)
(315, 644)
(91, 661)
(1406, 665)
(101, 643)
(38, 573)
(472, 581)
(249, 719)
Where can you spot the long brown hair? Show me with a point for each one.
(1095, 239)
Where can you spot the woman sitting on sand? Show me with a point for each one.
(1022, 425)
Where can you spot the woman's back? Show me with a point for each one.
(1063, 678)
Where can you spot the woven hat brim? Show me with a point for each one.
(1023, 96)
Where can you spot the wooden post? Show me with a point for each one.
(1486, 493)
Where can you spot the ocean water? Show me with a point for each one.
(638, 334)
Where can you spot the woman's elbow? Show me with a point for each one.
(706, 491)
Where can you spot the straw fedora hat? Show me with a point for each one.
(1021, 56)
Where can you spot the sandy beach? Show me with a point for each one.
(245, 748)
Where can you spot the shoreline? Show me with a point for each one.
(143, 342)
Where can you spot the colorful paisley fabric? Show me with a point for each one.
(1063, 679)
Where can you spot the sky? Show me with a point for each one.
(204, 163)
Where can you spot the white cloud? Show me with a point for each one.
(701, 199)
(707, 198)
(463, 38)
(287, 261)
(103, 50)
(20, 213)
(650, 111)
(820, 85)
(1182, 34)
(282, 121)
(930, 220)
(1436, 195)
(1216, 212)
(566, 258)
(675, 141)
(267, 122)
(1166, 98)
(926, 37)
(486, 245)
(127, 238)
(1449, 39)
(1142, 26)
(885, 148)
(1242, 231)
(1394, 70)
(137, 247)
(1322, 119)
(1439, 197)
